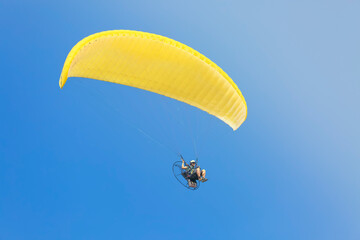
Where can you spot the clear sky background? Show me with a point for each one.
(73, 166)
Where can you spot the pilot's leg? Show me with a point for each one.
(203, 173)
(198, 173)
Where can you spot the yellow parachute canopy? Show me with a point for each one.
(157, 64)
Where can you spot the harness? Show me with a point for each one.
(191, 169)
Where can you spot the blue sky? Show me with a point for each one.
(72, 166)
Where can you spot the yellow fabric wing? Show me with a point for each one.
(157, 64)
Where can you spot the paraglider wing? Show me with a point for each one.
(157, 64)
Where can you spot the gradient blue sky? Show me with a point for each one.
(72, 167)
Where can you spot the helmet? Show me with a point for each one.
(192, 161)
